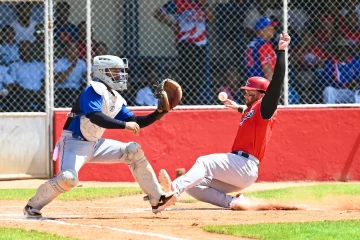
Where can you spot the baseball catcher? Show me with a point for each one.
(97, 108)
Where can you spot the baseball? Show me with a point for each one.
(222, 96)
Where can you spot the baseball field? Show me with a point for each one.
(286, 210)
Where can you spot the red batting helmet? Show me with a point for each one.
(256, 83)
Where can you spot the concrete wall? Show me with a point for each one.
(23, 148)
(307, 144)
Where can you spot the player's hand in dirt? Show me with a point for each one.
(133, 127)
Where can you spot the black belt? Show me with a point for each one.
(241, 153)
(70, 117)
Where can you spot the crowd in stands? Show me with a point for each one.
(324, 58)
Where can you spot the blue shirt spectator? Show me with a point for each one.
(24, 25)
(340, 74)
(27, 73)
(64, 30)
(70, 75)
(9, 50)
(260, 57)
(75, 78)
(5, 78)
(37, 12)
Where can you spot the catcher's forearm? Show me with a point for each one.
(104, 121)
(145, 121)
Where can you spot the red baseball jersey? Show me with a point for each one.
(254, 132)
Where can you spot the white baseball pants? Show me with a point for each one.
(74, 153)
(212, 176)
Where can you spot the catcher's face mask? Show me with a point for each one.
(111, 71)
(118, 76)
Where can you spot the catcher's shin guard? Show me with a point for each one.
(49, 190)
(143, 172)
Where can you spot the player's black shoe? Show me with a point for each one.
(31, 212)
(164, 202)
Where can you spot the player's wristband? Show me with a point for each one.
(240, 109)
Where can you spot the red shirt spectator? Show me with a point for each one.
(350, 28)
(308, 55)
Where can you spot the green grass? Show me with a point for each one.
(325, 230)
(73, 195)
(21, 234)
(317, 192)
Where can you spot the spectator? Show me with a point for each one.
(308, 57)
(146, 95)
(24, 25)
(328, 26)
(27, 91)
(64, 30)
(82, 48)
(70, 76)
(258, 9)
(341, 76)
(350, 6)
(9, 49)
(101, 49)
(230, 33)
(39, 43)
(187, 18)
(297, 16)
(5, 80)
(1, 37)
(260, 56)
(351, 28)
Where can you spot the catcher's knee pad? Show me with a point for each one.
(134, 154)
(67, 180)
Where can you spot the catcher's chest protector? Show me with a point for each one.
(111, 106)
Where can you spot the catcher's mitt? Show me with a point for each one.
(169, 94)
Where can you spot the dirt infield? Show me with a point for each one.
(130, 217)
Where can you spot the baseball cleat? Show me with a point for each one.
(164, 180)
(31, 212)
(164, 202)
(238, 200)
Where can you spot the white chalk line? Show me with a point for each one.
(95, 226)
(117, 209)
(305, 207)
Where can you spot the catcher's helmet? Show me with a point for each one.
(256, 83)
(118, 80)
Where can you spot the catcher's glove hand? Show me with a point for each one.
(169, 94)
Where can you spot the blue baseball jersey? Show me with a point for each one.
(339, 74)
(90, 102)
(258, 54)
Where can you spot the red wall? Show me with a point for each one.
(307, 144)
